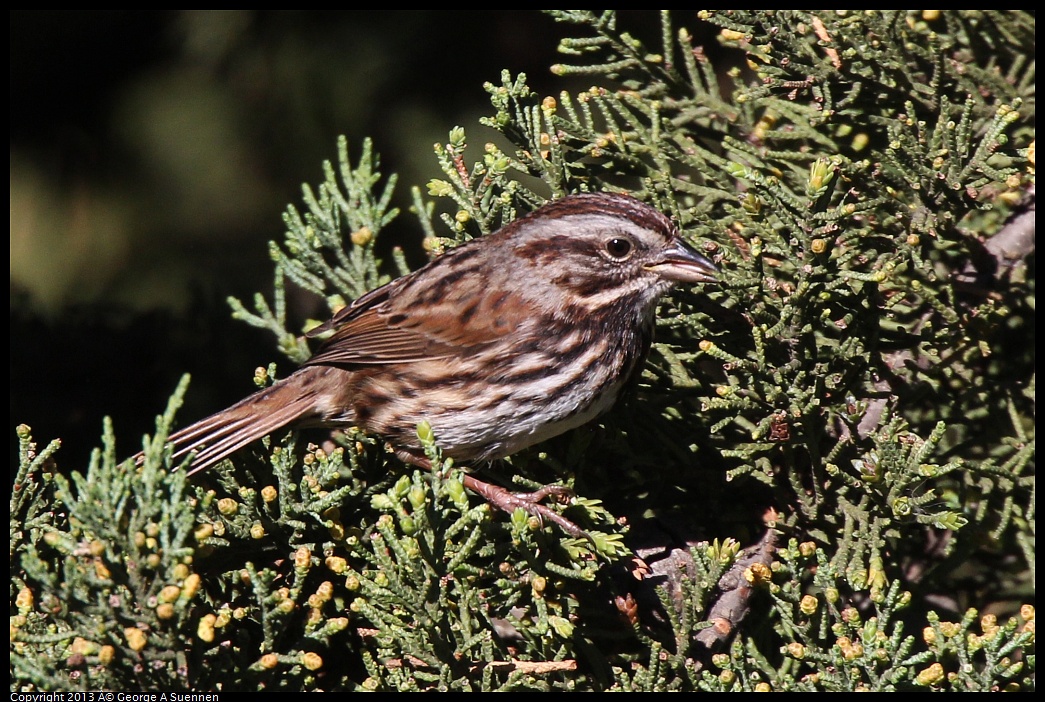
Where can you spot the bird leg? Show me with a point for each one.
(529, 502)
(507, 501)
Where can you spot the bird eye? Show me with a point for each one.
(618, 247)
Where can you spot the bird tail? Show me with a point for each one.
(221, 434)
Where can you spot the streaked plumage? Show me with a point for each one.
(500, 343)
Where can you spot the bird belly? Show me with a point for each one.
(476, 414)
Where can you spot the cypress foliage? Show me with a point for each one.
(824, 482)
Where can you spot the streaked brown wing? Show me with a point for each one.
(421, 317)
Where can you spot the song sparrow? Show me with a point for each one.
(498, 344)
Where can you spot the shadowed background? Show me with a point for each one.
(152, 154)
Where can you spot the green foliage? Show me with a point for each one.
(314, 256)
(830, 643)
(860, 383)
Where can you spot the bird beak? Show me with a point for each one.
(682, 264)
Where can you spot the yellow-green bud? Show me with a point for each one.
(932, 675)
(205, 629)
(361, 236)
(136, 638)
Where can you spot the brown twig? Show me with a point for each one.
(1007, 247)
(824, 36)
(664, 567)
(735, 589)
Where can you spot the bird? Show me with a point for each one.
(498, 344)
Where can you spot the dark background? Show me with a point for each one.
(152, 154)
